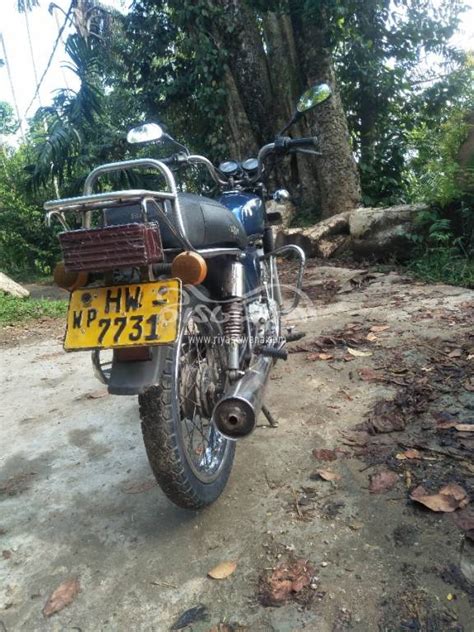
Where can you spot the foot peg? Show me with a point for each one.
(293, 336)
(274, 352)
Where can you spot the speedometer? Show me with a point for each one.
(229, 167)
(251, 164)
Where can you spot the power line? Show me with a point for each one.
(12, 86)
(50, 60)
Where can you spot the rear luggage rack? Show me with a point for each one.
(89, 202)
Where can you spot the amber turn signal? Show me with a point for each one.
(190, 267)
(69, 280)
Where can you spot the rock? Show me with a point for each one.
(9, 286)
(321, 240)
(379, 233)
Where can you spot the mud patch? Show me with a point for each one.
(83, 438)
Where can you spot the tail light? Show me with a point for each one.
(102, 249)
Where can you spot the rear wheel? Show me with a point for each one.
(190, 459)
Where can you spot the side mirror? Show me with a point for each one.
(145, 133)
(313, 97)
(308, 100)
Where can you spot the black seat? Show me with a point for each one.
(208, 224)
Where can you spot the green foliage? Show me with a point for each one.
(389, 57)
(434, 174)
(178, 78)
(16, 310)
(26, 244)
(8, 123)
(444, 265)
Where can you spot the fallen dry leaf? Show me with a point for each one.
(62, 596)
(409, 454)
(228, 627)
(382, 481)
(371, 337)
(369, 375)
(456, 353)
(102, 392)
(379, 328)
(449, 498)
(320, 356)
(284, 582)
(324, 454)
(447, 425)
(355, 525)
(328, 475)
(357, 353)
(138, 488)
(222, 570)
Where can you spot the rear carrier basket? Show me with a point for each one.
(102, 249)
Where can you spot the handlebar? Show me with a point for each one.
(302, 142)
(282, 145)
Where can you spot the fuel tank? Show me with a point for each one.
(248, 208)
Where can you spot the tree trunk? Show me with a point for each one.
(247, 63)
(242, 142)
(338, 177)
(368, 93)
(300, 174)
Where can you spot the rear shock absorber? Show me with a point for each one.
(233, 310)
(233, 331)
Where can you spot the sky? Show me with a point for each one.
(44, 30)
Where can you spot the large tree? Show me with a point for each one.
(219, 68)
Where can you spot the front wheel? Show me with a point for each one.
(190, 459)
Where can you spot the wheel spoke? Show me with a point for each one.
(198, 378)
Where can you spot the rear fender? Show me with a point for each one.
(133, 378)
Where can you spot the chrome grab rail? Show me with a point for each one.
(85, 203)
(299, 279)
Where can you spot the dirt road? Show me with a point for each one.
(78, 500)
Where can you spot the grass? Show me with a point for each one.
(16, 310)
(444, 265)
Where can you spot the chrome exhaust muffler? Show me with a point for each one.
(235, 415)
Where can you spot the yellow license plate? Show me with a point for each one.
(123, 315)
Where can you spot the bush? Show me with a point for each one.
(438, 176)
(14, 310)
(27, 245)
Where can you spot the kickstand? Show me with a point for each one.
(270, 418)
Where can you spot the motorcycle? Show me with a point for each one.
(181, 291)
